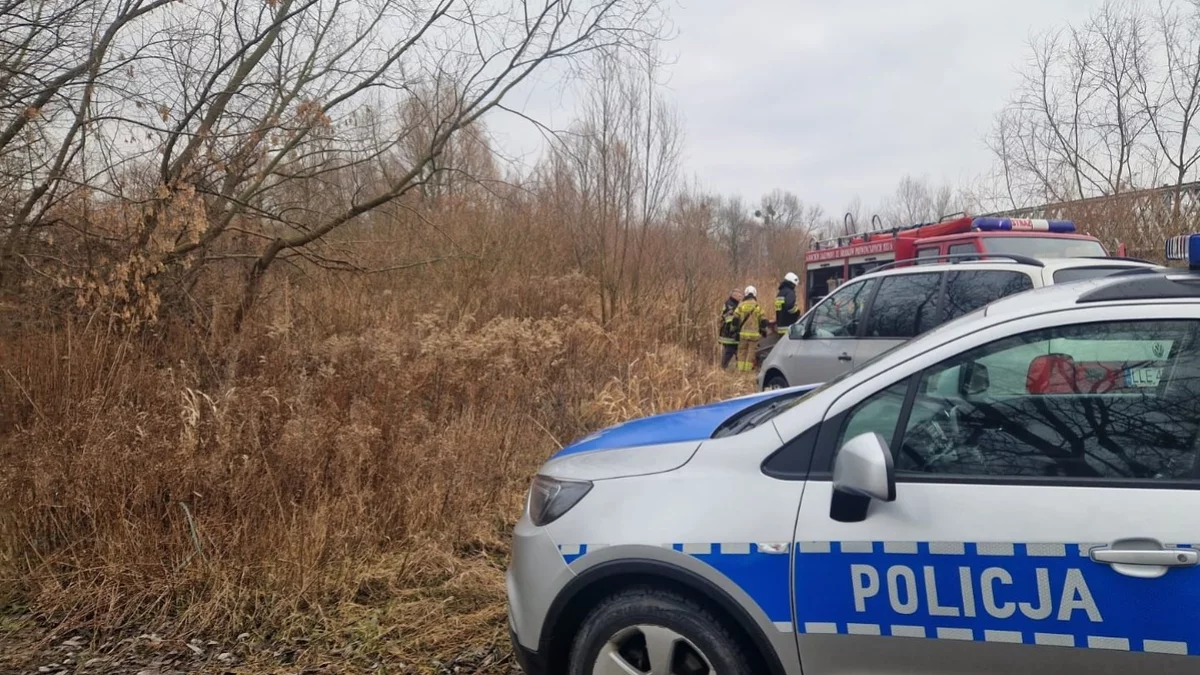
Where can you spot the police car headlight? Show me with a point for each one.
(550, 498)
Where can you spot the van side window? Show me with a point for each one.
(967, 291)
(838, 316)
(963, 249)
(905, 306)
(927, 253)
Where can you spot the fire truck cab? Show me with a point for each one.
(834, 261)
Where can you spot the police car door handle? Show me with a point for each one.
(1167, 557)
(845, 356)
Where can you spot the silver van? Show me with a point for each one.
(874, 312)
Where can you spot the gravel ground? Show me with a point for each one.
(31, 651)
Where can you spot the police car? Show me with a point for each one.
(1014, 491)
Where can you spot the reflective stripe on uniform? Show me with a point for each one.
(749, 315)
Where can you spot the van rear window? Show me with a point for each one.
(968, 290)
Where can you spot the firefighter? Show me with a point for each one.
(727, 334)
(750, 322)
(786, 310)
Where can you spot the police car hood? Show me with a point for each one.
(653, 444)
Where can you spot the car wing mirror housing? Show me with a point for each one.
(863, 471)
(973, 379)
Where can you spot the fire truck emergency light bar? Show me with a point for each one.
(1185, 247)
(1022, 224)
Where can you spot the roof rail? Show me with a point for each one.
(1114, 257)
(878, 231)
(965, 257)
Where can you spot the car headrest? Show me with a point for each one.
(1051, 374)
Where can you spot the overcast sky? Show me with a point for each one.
(834, 98)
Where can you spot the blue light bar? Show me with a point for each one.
(1022, 225)
(1185, 247)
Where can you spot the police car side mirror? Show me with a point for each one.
(862, 471)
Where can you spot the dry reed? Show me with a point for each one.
(349, 466)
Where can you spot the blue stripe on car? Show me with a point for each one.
(1049, 594)
(1046, 594)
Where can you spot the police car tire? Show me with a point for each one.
(650, 606)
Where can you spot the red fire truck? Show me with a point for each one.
(832, 262)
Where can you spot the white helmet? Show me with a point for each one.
(791, 276)
(750, 290)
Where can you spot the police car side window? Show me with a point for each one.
(879, 413)
(1117, 400)
(839, 314)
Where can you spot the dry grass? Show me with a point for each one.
(348, 468)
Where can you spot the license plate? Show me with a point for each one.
(1143, 377)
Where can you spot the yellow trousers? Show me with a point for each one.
(746, 352)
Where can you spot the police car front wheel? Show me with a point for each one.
(652, 632)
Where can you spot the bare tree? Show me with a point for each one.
(247, 124)
(1170, 93)
(615, 173)
(1007, 146)
(55, 57)
(691, 220)
(734, 231)
(917, 201)
(658, 132)
(1120, 36)
(787, 226)
(851, 221)
(1075, 126)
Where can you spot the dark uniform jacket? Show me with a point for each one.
(727, 332)
(786, 310)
